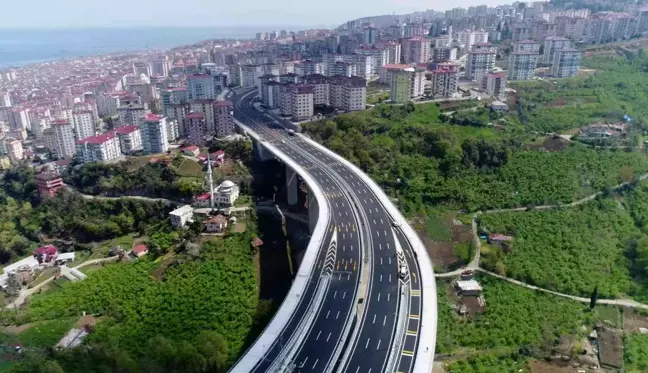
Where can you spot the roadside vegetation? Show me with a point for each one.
(636, 353)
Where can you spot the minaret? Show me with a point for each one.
(210, 181)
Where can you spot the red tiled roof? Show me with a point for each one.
(46, 250)
(126, 129)
(153, 117)
(202, 197)
(195, 116)
(59, 122)
(191, 148)
(223, 103)
(98, 139)
(140, 248)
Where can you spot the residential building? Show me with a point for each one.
(443, 54)
(202, 87)
(178, 112)
(406, 84)
(369, 35)
(348, 93)
(343, 68)
(84, 124)
(224, 118)
(206, 108)
(320, 85)
(289, 78)
(364, 66)
(14, 150)
(19, 119)
(196, 128)
(250, 75)
(494, 83)
(379, 56)
(393, 52)
(173, 129)
(523, 60)
(160, 67)
(570, 27)
(566, 62)
(468, 38)
(297, 101)
(445, 80)
(551, 45)
(153, 131)
(131, 114)
(270, 94)
(386, 71)
(107, 104)
(217, 224)
(181, 216)
(480, 61)
(61, 141)
(172, 96)
(415, 50)
(48, 182)
(130, 138)
(99, 148)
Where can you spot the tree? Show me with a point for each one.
(593, 298)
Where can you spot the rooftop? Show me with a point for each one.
(96, 140)
(126, 129)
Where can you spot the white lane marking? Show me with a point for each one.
(329, 337)
(387, 245)
(318, 335)
(367, 344)
(346, 213)
(351, 247)
(344, 295)
(334, 294)
(384, 320)
(357, 370)
(374, 221)
(388, 296)
(305, 360)
(378, 233)
(348, 276)
(377, 347)
(328, 312)
(340, 276)
(381, 221)
(376, 210)
(343, 247)
(336, 204)
(338, 315)
(374, 319)
(385, 233)
(378, 298)
(389, 281)
(315, 364)
(365, 200)
(343, 236)
(381, 277)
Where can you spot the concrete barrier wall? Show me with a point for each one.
(428, 317)
(286, 311)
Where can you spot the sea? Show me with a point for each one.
(19, 47)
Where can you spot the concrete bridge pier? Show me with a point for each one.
(292, 186)
(260, 152)
(313, 211)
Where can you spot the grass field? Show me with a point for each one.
(45, 333)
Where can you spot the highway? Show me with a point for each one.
(365, 257)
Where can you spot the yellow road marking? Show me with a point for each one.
(415, 317)
(408, 353)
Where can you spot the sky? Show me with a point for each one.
(210, 13)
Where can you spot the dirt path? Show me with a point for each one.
(474, 263)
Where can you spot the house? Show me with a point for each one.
(217, 224)
(46, 254)
(139, 250)
(468, 287)
(218, 157)
(201, 200)
(499, 107)
(64, 258)
(503, 241)
(181, 215)
(191, 151)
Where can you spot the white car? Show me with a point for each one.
(402, 271)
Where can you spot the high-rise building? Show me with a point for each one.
(320, 85)
(480, 61)
(494, 83)
(99, 148)
(369, 35)
(84, 124)
(406, 84)
(153, 130)
(443, 54)
(130, 138)
(551, 45)
(566, 62)
(343, 68)
(62, 139)
(445, 80)
(297, 101)
(224, 117)
(270, 93)
(160, 67)
(348, 93)
(379, 55)
(522, 65)
(5, 99)
(415, 50)
(196, 128)
(172, 96)
(48, 182)
(394, 52)
(203, 87)
(206, 108)
(131, 114)
(14, 150)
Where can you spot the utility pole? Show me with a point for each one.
(210, 182)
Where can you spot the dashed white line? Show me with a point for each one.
(378, 233)
(389, 281)
(377, 347)
(334, 294)
(338, 315)
(381, 260)
(367, 344)
(328, 312)
(374, 319)
(381, 277)
(318, 335)
(378, 298)
(388, 296)
(384, 320)
(329, 337)
(381, 221)
(385, 232)
(344, 295)
(315, 364)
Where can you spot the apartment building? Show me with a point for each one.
(343, 68)
(393, 52)
(173, 129)
(348, 93)
(153, 131)
(415, 50)
(206, 108)
(270, 94)
(130, 138)
(311, 67)
(523, 60)
(406, 84)
(172, 96)
(99, 148)
(250, 75)
(480, 61)
(494, 83)
(445, 80)
(443, 54)
(386, 72)
(84, 124)
(297, 101)
(196, 128)
(107, 104)
(131, 114)
(379, 55)
(570, 27)
(202, 87)
(15, 150)
(468, 38)
(61, 141)
(551, 45)
(224, 118)
(320, 85)
(566, 62)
